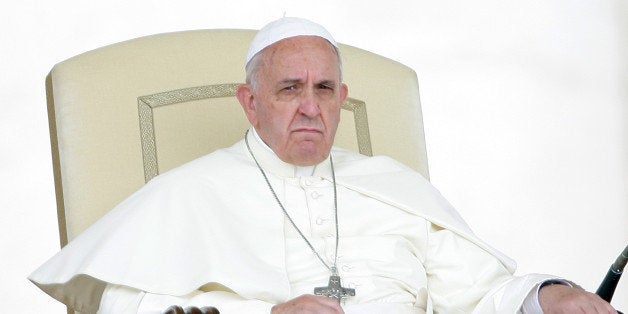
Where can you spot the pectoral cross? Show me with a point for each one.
(334, 290)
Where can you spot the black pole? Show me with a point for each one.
(608, 285)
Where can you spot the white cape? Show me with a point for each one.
(170, 237)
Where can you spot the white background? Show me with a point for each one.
(525, 106)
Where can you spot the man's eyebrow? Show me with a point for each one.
(326, 82)
(290, 81)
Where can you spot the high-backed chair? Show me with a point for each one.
(121, 114)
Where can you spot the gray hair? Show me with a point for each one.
(253, 66)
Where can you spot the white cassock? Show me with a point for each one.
(211, 233)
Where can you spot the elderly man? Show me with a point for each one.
(282, 222)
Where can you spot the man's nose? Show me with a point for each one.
(309, 104)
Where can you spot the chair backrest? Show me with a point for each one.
(121, 114)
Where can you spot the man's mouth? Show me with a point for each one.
(308, 130)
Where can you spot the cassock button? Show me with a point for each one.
(353, 284)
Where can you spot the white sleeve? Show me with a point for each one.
(531, 304)
(124, 300)
(463, 278)
(120, 299)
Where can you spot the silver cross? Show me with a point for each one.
(334, 290)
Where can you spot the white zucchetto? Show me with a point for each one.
(283, 28)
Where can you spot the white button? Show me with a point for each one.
(353, 284)
(315, 195)
(320, 221)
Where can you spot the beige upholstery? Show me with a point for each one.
(123, 113)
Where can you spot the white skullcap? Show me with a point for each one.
(283, 28)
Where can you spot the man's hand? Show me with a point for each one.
(565, 299)
(308, 303)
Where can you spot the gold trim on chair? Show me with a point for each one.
(146, 104)
(358, 108)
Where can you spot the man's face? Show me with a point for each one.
(296, 106)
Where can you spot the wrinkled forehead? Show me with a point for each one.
(298, 56)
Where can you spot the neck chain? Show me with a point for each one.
(334, 289)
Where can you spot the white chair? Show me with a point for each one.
(121, 114)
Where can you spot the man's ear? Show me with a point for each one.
(344, 92)
(246, 99)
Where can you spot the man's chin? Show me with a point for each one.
(308, 154)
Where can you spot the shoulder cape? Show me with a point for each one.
(176, 234)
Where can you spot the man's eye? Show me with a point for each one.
(323, 86)
(290, 88)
